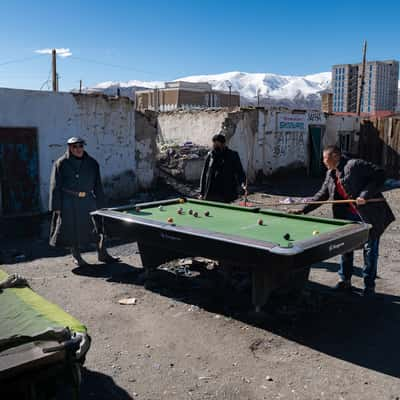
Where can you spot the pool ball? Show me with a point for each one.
(190, 211)
(180, 211)
(137, 209)
(207, 213)
(181, 201)
(286, 236)
(315, 233)
(195, 214)
(260, 221)
(161, 208)
(170, 220)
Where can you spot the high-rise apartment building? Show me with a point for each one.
(380, 86)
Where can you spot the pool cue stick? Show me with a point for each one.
(247, 177)
(321, 202)
(245, 192)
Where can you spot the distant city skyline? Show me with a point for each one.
(162, 40)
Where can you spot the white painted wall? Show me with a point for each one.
(197, 126)
(108, 126)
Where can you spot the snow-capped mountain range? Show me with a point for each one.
(273, 89)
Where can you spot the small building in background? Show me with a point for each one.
(327, 102)
(380, 86)
(185, 95)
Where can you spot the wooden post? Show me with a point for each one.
(360, 95)
(54, 69)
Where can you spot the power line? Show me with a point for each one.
(112, 65)
(20, 60)
(46, 82)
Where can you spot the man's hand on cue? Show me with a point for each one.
(361, 201)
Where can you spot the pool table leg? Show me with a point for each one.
(262, 286)
(152, 257)
(266, 281)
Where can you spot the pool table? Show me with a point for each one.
(276, 247)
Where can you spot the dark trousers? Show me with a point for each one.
(371, 254)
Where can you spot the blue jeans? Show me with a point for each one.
(371, 254)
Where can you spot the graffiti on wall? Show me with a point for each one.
(289, 144)
(315, 117)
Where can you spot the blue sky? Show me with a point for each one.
(164, 40)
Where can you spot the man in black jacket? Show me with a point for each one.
(355, 179)
(222, 173)
(75, 191)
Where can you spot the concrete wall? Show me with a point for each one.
(264, 145)
(197, 126)
(146, 147)
(107, 124)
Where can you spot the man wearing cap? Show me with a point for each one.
(75, 191)
(222, 173)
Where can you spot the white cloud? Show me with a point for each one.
(62, 52)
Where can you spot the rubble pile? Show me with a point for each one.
(182, 161)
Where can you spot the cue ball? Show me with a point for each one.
(170, 220)
(286, 236)
(137, 209)
(190, 211)
(161, 208)
(315, 233)
(195, 214)
(207, 213)
(260, 222)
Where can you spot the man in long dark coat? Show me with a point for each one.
(349, 178)
(222, 173)
(75, 191)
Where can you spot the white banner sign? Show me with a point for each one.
(291, 122)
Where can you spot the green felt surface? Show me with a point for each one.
(242, 222)
(24, 316)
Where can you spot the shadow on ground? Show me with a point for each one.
(334, 267)
(291, 186)
(362, 331)
(96, 385)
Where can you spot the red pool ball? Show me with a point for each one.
(260, 222)
(170, 220)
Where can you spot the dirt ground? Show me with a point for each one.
(186, 338)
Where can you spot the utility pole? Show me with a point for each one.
(54, 69)
(362, 77)
(229, 84)
(258, 97)
(80, 86)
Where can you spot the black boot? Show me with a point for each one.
(102, 253)
(343, 286)
(77, 257)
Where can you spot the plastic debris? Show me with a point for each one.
(128, 301)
